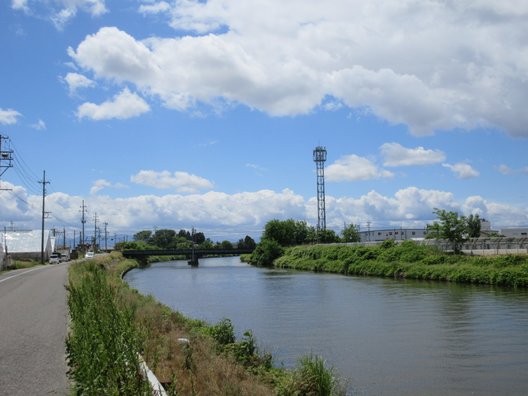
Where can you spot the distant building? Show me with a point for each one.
(521, 232)
(393, 233)
(27, 244)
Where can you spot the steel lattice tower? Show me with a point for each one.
(319, 156)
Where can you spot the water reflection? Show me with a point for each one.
(386, 336)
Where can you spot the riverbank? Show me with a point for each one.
(407, 261)
(188, 356)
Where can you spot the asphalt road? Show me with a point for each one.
(33, 324)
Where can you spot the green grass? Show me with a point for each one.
(410, 261)
(213, 362)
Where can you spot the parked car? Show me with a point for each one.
(89, 254)
(54, 258)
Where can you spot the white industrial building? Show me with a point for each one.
(394, 233)
(27, 244)
(521, 232)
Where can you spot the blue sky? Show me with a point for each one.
(205, 113)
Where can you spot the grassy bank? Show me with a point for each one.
(113, 323)
(407, 260)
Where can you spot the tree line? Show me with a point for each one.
(182, 239)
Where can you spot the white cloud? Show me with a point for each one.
(288, 57)
(98, 185)
(242, 212)
(462, 170)
(76, 81)
(181, 181)
(39, 125)
(101, 184)
(9, 116)
(60, 12)
(154, 8)
(124, 105)
(20, 5)
(395, 154)
(352, 168)
(506, 170)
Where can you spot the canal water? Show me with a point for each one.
(383, 336)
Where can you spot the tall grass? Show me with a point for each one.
(102, 346)
(190, 357)
(408, 260)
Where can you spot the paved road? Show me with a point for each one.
(33, 323)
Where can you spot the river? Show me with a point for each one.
(383, 336)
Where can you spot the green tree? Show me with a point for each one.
(473, 226)
(265, 252)
(351, 234)
(287, 232)
(450, 226)
(163, 238)
(226, 245)
(246, 243)
(143, 235)
(327, 236)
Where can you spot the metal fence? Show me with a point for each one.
(477, 246)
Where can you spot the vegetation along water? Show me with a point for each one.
(384, 336)
(112, 325)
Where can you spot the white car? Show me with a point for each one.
(54, 258)
(89, 254)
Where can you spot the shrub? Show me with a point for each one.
(265, 252)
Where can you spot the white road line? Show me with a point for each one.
(20, 273)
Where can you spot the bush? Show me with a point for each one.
(266, 252)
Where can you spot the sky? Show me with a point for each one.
(174, 114)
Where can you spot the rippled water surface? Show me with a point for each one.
(384, 337)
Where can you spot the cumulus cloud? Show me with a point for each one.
(9, 116)
(352, 168)
(287, 58)
(181, 181)
(394, 154)
(124, 105)
(241, 212)
(462, 170)
(20, 5)
(59, 12)
(76, 81)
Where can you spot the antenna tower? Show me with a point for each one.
(319, 156)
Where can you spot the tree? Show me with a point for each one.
(327, 236)
(246, 243)
(450, 226)
(163, 238)
(473, 226)
(265, 252)
(287, 232)
(142, 235)
(226, 245)
(351, 234)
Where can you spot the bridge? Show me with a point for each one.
(192, 254)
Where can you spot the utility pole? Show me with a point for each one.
(106, 236)
(6, 160)
(83, 221)
(95, 232)
(43, 182)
